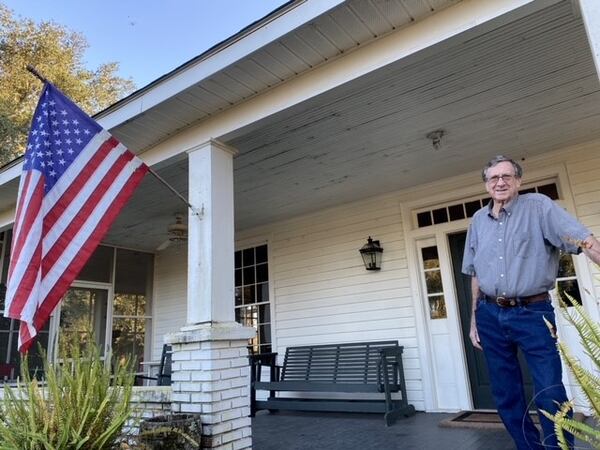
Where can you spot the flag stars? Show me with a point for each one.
(52, 112)
(86, 131)
(78, 141)
(64, 112)
(52, 173)
(55, 123)
(67, 131)
(51, 102)
(59, 152)
(62, 162)
(75, 122)
(65, 122)
(76, 131)
(50, 163)
(56, 133)
(48, 154)
(47, 143)
(70, 151)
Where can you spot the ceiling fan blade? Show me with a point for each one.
(164, 245)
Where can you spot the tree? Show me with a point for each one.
(57, 53)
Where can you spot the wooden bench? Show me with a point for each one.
(363, 367)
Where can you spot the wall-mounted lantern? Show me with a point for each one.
(371, 254)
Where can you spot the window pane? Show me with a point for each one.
(238, 277)
(430, 257)
(424, 219)
(134, 272)
(238, 296)
(249, 296)
(264, 313)
(130, 305)
(128, 339)
(440, 215)
(262, 273)
(568, 292)
(99, 266)
(566, 268)
(433, 280)
(550, 190)
(248, 257)
(261, 254)
(456, 212)
(437, 307)
(249, 275)
(472, 207)
(264, 334)
(238, 259)
(262, 292)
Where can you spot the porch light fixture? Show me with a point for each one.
(371, 254)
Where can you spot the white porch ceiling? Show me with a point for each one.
(524, 88)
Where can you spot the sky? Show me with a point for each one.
(148, 38)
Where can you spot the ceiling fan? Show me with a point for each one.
(177, 231)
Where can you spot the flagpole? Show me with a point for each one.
(197, 212)
(36, 73)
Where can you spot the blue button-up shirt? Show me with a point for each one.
(516, 254)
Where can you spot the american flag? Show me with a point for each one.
(76, 178)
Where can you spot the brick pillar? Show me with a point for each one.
(211, 376)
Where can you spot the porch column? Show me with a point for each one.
(210, 357)
(590, 14)
(211, 237)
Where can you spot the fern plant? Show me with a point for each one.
(80, 404)
(589, 383)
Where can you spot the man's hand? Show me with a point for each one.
(591, 248)
(473, 334)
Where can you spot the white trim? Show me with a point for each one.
(229, 52)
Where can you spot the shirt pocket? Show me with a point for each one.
(522, 245)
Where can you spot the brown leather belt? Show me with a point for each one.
(507, 302)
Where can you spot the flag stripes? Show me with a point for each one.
(72, 188)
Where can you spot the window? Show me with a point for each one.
(567, 287)
(252, 305)
(131, 312)
(459, 211)
(433, 282)
(120, 321)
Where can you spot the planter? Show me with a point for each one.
(173, 431)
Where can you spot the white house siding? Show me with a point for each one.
(170, 292)
(322, 292)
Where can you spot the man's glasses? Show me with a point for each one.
(507, 178)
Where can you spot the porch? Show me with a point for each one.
(306, 431)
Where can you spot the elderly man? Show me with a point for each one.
(512, 252)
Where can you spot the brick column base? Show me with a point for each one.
(211, 376)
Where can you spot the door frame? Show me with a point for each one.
(456, 189)
(55, 319)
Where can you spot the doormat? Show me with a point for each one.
(478, 419)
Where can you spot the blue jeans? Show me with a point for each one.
(502, 331)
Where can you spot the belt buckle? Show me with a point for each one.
(500, 300)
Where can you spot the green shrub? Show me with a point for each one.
(79, 404)
(589, 333)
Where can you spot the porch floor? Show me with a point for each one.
(349, 431)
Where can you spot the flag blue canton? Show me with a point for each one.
(59, 131)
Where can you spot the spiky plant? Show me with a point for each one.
(589, 333)
(80, 404)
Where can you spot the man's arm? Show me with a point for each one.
(591, 248)
(474, 294)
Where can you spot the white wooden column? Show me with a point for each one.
(590, 14)
(210, 372)
(211, 247)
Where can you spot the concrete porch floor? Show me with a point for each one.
(350, 431)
